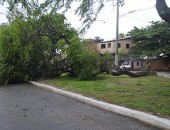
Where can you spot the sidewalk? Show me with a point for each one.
(163, 74)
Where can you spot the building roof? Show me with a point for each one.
(115, 40)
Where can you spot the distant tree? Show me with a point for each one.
(121, 53)
(106, 62)
(151, 41)
(122, 35)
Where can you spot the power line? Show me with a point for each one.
(132, 18)
(130, 12)
(133, 11)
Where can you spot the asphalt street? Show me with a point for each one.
(25, 107)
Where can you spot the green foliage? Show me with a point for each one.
(106, 62)
(121, 53)
(39, 43)
(83, 63)
(88, 10)
(12, 55)
(151, 41)
(122, 35)
(33, 48)
(90, 65)
(43, 48)
(73, 52)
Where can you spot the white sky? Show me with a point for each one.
(106, 29)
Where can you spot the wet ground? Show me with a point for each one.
(25, 107)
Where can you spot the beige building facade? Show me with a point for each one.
(110, 46)
(123, 47)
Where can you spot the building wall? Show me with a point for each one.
(156, 64)
(136, 64)
(106, 49)
(159, 64)
(125, 45)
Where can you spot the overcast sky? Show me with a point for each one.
(144, 11)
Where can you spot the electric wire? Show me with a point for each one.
(128, 13)
(133, 11)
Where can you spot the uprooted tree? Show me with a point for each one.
(38, 42)
(43, 48)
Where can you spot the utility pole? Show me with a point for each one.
(117, 34)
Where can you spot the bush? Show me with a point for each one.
(106, 63)
(12, 56)
(89, 65)
(83, 63)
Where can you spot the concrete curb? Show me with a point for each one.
(144, 117)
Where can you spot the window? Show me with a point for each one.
(127, 46)
(137, 63)
(103, 46)
(109, 45)
(119, 45)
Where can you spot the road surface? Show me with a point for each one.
(25, 107)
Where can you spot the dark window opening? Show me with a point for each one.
(119, 45)
(127, 46)
(137, 63)
(103, 46)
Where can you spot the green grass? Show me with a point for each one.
(148, 94)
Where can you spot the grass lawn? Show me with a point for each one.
(148, 94)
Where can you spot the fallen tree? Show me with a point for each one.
(131, 74)
(118, 72)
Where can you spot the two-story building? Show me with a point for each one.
(124, 46)
(110, 46)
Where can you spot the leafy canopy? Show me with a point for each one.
(88, 10)
(38, 42)
(31, 48)
(151, 41)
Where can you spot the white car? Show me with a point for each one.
(125, 66)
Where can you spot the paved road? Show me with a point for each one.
(25, 107)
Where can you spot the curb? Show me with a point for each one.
(141, 116)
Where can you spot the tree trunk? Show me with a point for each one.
(163, 10)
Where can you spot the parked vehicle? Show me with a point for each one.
(125, 66)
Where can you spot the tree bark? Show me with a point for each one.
(163, 10)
